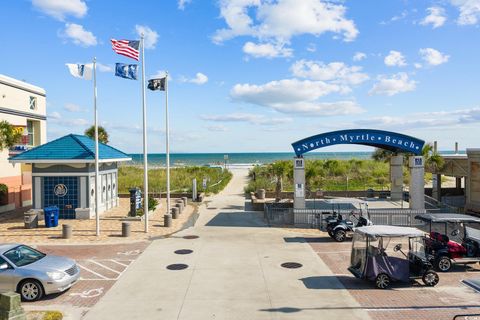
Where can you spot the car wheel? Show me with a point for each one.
(444, 264)
(330, 233)
(382, 281)
(430, 278)
(30, 290)
(340, 235)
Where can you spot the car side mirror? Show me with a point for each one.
(397, 247)
(4, 266)
(455, 233)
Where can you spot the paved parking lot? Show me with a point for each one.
(100, 267)
(403, 301)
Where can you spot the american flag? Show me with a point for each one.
(128, 48)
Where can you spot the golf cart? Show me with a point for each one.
(339, 226)
(378, 255)
(452, 240)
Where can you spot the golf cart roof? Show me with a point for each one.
(447, 217)
(389, 231)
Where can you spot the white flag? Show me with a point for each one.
(83, 71)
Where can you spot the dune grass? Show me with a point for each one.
(180, 179)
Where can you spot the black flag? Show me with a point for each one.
(157, 84)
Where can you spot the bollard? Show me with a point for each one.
(185, 199)
(126, 229)
(10, 307)
(175, 212)
(180, 207)
(66, 231)
(167, 221)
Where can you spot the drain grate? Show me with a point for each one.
(291, 265)
(183, 251)
(177, 266)
(191, 237)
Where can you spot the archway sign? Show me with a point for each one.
(392, 141)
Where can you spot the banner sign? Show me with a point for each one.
(392, 141)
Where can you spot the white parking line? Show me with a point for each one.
(93, 272)
(115, 261)
(104, 266)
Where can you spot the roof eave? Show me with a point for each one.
(60, 161)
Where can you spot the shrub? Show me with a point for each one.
(3, 188)
(53, 315)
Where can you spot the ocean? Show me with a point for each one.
(247, 158)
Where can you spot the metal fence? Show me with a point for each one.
(315, 218)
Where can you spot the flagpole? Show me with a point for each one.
(167, 129)
(145, 159)
(97, 193)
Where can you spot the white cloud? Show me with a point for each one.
(104, 67)
(336, 72)
(150, 36)
(436, 17)
(62, 122)
(417, 65)
(433, 57)
(426, 119)
(54, 115)
(71, 107)
(395, 58)
(295, 96)
(359, 56)
(266, 50)
(59, 9)
(217, 128)
(276, 22)
(199, 79)
(311, 47)
(469, 11)
(79, 36)
(161, 74)
(246, 117)
(183, 3)
(393, 85)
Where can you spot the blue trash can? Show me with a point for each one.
(51, 216)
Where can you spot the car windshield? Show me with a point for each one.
(23, 255)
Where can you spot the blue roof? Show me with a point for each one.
(71, 147)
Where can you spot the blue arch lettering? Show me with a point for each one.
(392, 141)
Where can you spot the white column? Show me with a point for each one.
(83, 192)
(37, 203)
(299, 183)
(417, 182)
(472, 181)
(396, 178)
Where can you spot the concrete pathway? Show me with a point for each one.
(233, 273)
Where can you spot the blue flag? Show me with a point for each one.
(127, 71)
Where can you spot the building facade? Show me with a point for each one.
(23, 105)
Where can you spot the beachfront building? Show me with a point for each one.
(23, 105)
(63, 172)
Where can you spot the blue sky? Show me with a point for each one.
(255, 75)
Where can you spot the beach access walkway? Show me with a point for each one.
(234, 272)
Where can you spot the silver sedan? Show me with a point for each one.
(34, 274)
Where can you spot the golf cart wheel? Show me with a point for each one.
(340, 235)
(30, 290)
(330, 233)
(444, 264)
(382, 281)
(430, 278)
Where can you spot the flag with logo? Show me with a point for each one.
(127, 71)
(127, 48)
(82, 71)
(157, 84)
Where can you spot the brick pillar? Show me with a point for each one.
(396, 178)
(299, 183)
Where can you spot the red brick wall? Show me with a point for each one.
(17, 192)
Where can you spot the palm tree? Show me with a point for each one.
(278, 170)
(102, 134)
(433, 160)
(9, 136)
(382, 155)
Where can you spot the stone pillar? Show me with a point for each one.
(437, 186)
(299, 183)
(396, 178)
(472, 181)
(417, 182)
(10, 307)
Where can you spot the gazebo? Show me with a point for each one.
(63, 175)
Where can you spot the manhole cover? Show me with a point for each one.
(291, 265)
(183, 251)
(177, 266)
(190, 237)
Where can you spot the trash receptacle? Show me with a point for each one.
(51, 216)
(30, 219)
(370, 193)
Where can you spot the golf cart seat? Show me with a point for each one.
(436, 236)
(441, 240)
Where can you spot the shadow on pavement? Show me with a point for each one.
(237, 219)
(350, 282)
(310, 240)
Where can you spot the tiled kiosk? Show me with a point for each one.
(63, 174)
